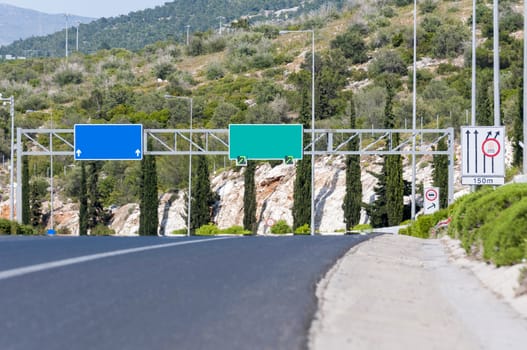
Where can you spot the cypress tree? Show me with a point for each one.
(26, 212)
(517, 131)
(202, 196)
(302, 186)
(249, 198)
(35, 204)
(353, 198)
(440, 173)
(149, 203)
(95, 210)
(83, 207)
(388, 207)
(393, 168)
(483, 103)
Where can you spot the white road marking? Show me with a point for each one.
(77, 260)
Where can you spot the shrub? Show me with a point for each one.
(181, 231)
(66, 77)
(281, 227)
(101, 230)
(237, 230)
(493, 220)
(5, 226)
(214, 71)
(25, 230)
(303, 230)
(362, 227)
(208, 230)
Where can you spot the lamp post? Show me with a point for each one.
(312, 120)
(67, 24)
(11, 101)
(77, 38)
(189, 99)
(414, 112)
(220, 18)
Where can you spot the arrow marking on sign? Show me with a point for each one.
(476, 150)
(78, 153)
(137, 152)
(432, 206)
(468, 151)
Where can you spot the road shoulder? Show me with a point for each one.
(399, 292)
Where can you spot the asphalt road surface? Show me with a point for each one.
(162, 293)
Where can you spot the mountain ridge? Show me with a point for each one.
(18, 23)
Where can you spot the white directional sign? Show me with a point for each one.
(483, 155)
(431, 202)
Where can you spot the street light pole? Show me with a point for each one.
(188, 30)
(51, 230)
(11, 101)
(77, 38)
(496, 48)
(67, 24)
(414, 112)
(220, 18)
(312, 31)
(189, 159)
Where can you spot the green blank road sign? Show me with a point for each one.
(266, 141)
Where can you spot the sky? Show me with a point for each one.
(87, 8)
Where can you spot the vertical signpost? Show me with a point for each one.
(431, 201)
(483, 155)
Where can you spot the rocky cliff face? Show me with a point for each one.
(274, 196)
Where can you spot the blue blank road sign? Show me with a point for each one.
(108, 141)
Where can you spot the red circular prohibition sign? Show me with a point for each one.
(431, 194)
(491, 147)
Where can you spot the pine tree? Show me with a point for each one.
(353, 198)
(202, 197)
(249, 198)
(148, 218)
(517, 131)
(26, 211)
(302, 186)
(440, 173)
(83, 207)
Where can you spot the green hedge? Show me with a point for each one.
(494, 222)
(7, 226)
(422, 227)
(211, 229)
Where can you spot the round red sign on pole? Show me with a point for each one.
(431, 194)
(491, 147)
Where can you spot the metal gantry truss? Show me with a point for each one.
(163, 142)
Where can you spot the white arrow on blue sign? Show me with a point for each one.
(108, 141)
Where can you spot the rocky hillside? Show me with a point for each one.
(274, 197)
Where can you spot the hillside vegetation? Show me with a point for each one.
(253, 74)
(167, 22)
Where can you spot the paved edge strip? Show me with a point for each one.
(20, 271)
